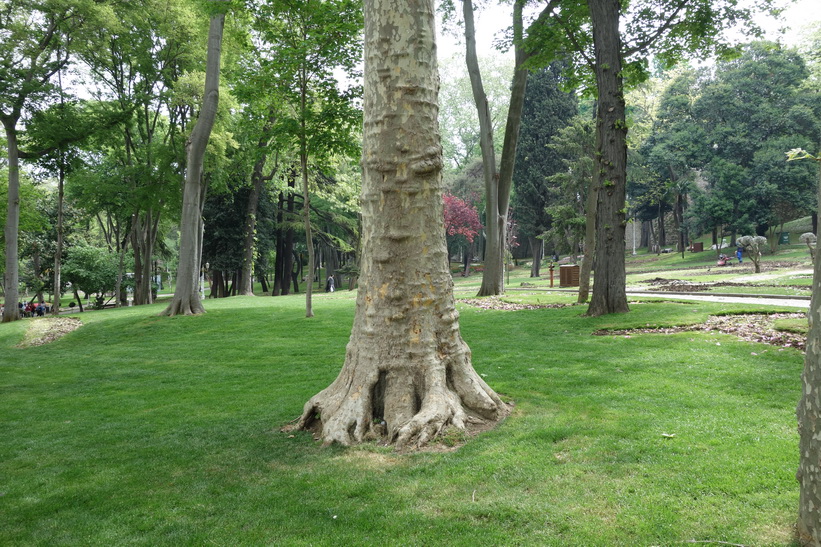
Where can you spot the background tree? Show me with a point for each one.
(37, 40)
(406, 364)
(610, 42)
(573, 206)
(311, 39)
(498, 184)
(90, 269)
(547, 109)
(750, 111)
(186, 300)
(462, 225)
(136, 61)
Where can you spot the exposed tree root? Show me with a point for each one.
(398, 407)
(183, 306)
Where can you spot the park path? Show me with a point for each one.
(771, 300)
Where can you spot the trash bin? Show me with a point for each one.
(697, 247)
(569, 275)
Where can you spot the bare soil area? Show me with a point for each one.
(43, 330)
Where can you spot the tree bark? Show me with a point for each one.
(497, 185)
(809, 419)
(589, 240)
(186, 300)
(11, 277)
(493, 269)
(537, 248)
(246, 284)
(406, 364)
(306, 214)
(609, 290)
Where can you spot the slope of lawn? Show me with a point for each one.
(137, 429)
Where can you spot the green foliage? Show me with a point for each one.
(91, 269)
(547, 111)
(458, 119)
(575, 144)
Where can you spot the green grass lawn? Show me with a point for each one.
(137, 429)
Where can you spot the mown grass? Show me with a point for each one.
(145, 430)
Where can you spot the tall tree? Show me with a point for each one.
(311, 39)
(406, 366)
(136, 61)
(37, 40)
(547, 109)
(754, 107)
(497, 184)
(809, 407)
(610, 42)
(186, 300)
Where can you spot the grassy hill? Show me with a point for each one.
(146, 430)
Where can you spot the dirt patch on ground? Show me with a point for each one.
(496, 303)
(679, 285)
(48, 329)
(749, 327)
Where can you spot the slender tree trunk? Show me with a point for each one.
(11, 276)
(246, 285)
(58, 252)
(589, 240)
(407, 374)
(186, 300)
(809, 418)
(537, 248)
(78, 299)
(609, 290)
(306, 213)
(662, 230)
(497, 185)
(493, 269)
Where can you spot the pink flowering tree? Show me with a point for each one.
(462, 225)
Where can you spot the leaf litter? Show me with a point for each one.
(757, 327)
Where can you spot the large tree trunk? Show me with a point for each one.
(406, 364)
(11, 276)
(186, 300)
(609, 290)
(809, 419)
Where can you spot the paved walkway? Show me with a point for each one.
(769, 300)
(800, 302)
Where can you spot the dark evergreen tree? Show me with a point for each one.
(547, 109)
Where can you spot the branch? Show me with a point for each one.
(641, 46)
